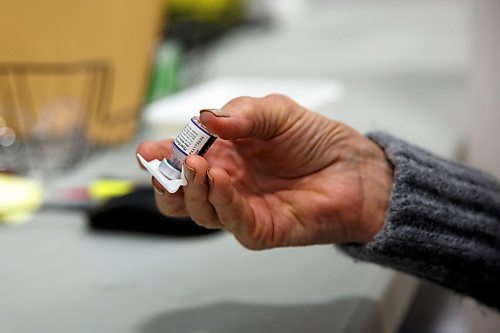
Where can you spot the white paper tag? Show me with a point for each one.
(171, 185)
(191, 139)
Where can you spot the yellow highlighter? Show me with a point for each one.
(104, 189)
(19, 198)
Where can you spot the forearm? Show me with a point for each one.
(443, 223)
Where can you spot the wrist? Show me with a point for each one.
(377, 178)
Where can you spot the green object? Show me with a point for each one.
(208, 10)
(166, 71)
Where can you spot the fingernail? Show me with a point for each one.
(189, 173)
(217, 112)
(210, 179)
(156, 188)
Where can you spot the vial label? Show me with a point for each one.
(192, 139)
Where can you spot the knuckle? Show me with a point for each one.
(254, 246)
(198, 221)
(242, 100)
(195, 194)
(279, 99)
(251, 245)
(276, 97)
(213, 226)
(205, 222)
(223, 202)
(169, 209)
(243, 103)
(284, 107)
(164, 209)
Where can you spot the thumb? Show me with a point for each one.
(248, 117)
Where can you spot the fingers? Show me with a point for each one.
(196, 193)
(155, 150)
(171, 204)
(210, 200)
(247, 117)
(212, 206)
(233, 210)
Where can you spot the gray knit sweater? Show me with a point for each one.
(443, 223)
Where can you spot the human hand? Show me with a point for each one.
(280, 175)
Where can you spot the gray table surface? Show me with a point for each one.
(58, 277)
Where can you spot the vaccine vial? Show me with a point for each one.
(194, 139)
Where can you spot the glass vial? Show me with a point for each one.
(194, 139)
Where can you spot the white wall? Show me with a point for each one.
(484, 131)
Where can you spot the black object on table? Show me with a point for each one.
(137, 213)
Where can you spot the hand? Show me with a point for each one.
(280, 175)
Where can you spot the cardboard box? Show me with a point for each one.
(76, 57)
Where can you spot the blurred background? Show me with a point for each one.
(82, 82)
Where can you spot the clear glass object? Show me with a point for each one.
(49, 112)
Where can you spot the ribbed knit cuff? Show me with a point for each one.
(443, 223)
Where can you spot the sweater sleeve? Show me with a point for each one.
(443, 223)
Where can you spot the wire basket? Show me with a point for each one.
(50, 112)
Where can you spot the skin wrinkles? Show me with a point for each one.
(348, 165)
(330, 205)
(288, 211)
(321, 136)
(295, 146)
(268, 234)
(304, 221)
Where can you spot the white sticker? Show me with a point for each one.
(191, 139)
